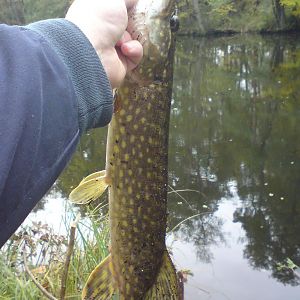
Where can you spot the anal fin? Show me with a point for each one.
(166, 286)
(100, 284)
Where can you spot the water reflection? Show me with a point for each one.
(236, 118)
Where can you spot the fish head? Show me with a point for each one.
(153, 23)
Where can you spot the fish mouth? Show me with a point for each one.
(148, 19)
(152, 23)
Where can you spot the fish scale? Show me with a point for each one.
(139, 266)
(138, 232)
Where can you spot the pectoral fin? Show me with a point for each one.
(90, 188)
(93, 175)
(166, 286)
(99, 285)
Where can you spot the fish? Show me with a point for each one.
(136, 173)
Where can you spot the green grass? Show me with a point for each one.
(46, 253)
(14, 285)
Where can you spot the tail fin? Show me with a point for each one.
(99, 285)
(166, 286)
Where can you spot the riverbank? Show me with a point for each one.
(38, 251)
(202, 18)
(197, 17)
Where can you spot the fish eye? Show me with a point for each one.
(174, 23)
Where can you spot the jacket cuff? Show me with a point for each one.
(91, 85)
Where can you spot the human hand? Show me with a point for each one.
(104, 22)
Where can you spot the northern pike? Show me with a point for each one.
(136, 173)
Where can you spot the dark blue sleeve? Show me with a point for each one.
(42, 112)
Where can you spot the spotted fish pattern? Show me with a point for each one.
(138, 172)
(139, 266)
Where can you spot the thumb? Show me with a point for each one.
(133, 52)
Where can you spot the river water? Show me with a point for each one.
(234, 150)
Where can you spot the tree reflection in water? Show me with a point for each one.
(236, 118)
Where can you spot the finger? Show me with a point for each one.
(133, 51)
(130, 3)
(125, 38)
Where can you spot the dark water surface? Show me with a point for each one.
(234, 138)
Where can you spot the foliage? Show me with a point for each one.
(224, 9)
(293, 5)
(44, 9)
(196, 16)
(46, 253)
(14, 284)
(26, 11)
(12, 12)
(289, 264)
(205, 16)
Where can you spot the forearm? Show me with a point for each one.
(52, 87)
(91, 85)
